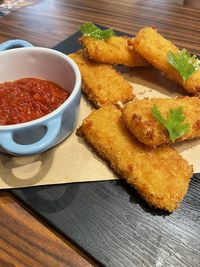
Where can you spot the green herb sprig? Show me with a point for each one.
(174, 123)
(89, 29)
(184, 62)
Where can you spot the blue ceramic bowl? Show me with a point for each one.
(41, 134)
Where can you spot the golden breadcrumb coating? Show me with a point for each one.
(161, 176)
(192, 84)
(114, 50)
(154, 48)
(102, 83)
(138, 118)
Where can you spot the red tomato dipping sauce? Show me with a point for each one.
(29, 99)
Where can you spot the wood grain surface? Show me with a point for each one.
(51, 21)
(45, 24)
(25, 241)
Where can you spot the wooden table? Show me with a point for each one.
(24, 239)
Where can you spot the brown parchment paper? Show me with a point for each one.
(73, 160)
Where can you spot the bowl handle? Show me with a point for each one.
(14, 43)
(9, 144)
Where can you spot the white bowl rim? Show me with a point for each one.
(74, 92)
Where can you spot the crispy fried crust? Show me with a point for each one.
(192, 85)
(154, 48)
(115, 50)
(138, 117)
(102, 83)
(160, 175)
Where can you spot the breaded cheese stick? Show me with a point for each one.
(161, 176)
(138, 118)
(154, 48)
(102, 84)
(114, 50)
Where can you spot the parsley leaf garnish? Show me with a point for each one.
(184, 62)
(89, 29)
(174, 123)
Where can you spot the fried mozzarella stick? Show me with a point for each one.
(102, 83)
(154, 48)
(161, 176)
(114, 50)
(139, 119)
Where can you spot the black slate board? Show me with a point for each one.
(112, 224)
